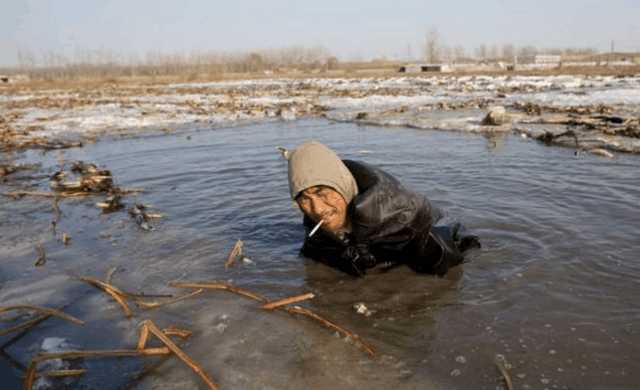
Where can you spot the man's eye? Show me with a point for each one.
(323, 192)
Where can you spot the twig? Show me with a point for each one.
(62, 373)
(31, 371)
(299, 310)
(115, 293)
(153, 305)
(25, 325)
(65, 194)
(505, 373)
(173, 331)
(286, 301)
(44, 310)
(219, 286)
(56, 211)
(19, 194)
(42, 256)
(110, 273)
(180, 354)
(233, 255)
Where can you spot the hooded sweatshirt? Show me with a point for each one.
(313, 164)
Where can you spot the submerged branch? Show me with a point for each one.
(296, 309)
(180, 354)
(233, 255)
(45, 310)
(219, 286)
(299, 310)
(41, 357)
(113, 291)
(153, 305)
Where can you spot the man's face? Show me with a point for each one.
(324, 203)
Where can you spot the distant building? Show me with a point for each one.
(11, 79)
(545, 59)
(417, 68)
(538, 61)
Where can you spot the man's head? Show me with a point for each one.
(321, 185)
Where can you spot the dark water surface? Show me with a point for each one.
(554, 288)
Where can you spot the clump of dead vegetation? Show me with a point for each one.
(148, 329)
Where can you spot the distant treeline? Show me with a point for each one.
(101, 64)
(435, 50)
(104, 64)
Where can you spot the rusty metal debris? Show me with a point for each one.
(42, 256)
(234, 254)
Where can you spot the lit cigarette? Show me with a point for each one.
(315, 229)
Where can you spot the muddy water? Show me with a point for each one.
(554, 288)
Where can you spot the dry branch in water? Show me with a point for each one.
(25, 325)
(505, 373)
(295, 310)
(42, 256)
(173, 331)
(234, 254)
(114, 292)
(45, 310)
(299, 310)
(220, 286)
(153, 305)
(20, 194)
(286, 301)
(149, 327)
(41, 357)
(62, 373)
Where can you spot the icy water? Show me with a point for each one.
(554, 289)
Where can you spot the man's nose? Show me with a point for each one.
(318, 207)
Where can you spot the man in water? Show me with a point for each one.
(358, 217)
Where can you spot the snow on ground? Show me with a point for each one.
(158, 106)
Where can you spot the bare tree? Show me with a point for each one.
(508, 51)
(432, 46)
(481, 52)
(459, 53)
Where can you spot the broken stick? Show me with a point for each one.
(233, 255)
(286, 301)
(152, 328)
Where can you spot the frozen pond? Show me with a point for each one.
(554, 288)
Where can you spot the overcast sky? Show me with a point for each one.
(348, 28)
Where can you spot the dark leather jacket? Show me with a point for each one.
(390, 225)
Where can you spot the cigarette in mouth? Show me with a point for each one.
(315, 229)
